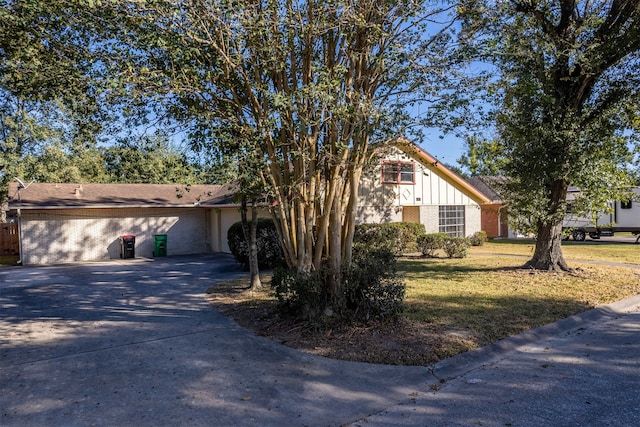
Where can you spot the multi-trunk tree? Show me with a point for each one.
(568, 86)
(307, 85)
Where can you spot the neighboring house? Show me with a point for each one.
(84, 222)
(410, 185)
(494, 214)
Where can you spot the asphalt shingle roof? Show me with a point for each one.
(488, 186)
(57, 196)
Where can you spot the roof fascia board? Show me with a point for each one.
(49, 207)
(434, 165)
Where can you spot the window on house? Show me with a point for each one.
(398, 173)
(452, 220)
(625, 205)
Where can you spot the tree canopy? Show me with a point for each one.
(48, 103)
(483, 157)
(568, 85)
(306, 84)
(148, 159)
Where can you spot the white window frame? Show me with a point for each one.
(451, 220)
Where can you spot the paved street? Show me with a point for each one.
(134, 343)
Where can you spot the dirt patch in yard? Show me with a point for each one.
(401, 342)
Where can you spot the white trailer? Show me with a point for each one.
(623, 217)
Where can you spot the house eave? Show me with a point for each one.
(58, 207)
(434, 165)
(135, 206)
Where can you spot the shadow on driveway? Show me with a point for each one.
(134, 342)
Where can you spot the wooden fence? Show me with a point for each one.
(9, 239)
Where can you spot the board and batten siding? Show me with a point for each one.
(66, 235)
(380, 202)
(429, 188)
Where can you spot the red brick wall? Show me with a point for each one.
(494, 220)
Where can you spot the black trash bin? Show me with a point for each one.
(127, 246)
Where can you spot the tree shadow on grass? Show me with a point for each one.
(491, 318)
(440, 268)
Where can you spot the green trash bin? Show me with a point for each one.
(160, 245)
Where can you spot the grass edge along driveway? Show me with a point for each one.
(486, 298)
(453, 305)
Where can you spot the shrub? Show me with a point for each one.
(428, 244)
(373, 288)
(300, 294)
(456, 247)
(269, 250)
(398, 237)
(478, 238)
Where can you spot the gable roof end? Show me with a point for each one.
(434, 165)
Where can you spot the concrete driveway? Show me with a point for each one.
(134, 343)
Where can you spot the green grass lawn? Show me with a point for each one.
(485, 298)
(587, 250)
(455, 305)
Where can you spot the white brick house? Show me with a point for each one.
(84, 222)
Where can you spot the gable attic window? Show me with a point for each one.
(625, 205)
(398, 172)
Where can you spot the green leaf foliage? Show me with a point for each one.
(456, 247)
(483, 157)
(397, 237)
(148, 159)
(269, 250)
(428, 244)
(294, 93)
(566, 91)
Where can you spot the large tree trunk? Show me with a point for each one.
(548, 254)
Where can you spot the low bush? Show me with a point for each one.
(398, 237)
(428, 244)
(269, 250)
(373, 289)
(456, 247)
(478, 238)
(300, 294)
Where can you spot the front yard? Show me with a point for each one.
(453, 305)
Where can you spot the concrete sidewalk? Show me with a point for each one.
(580, 371)
(134, 342)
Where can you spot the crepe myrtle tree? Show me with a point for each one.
(306, 84)
(567, 88)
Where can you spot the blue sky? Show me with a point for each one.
(447, 150)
